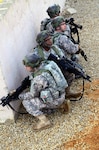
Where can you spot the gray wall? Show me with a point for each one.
(18, 31)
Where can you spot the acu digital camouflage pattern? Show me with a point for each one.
(65, 43)
(42, 83)
(59, 53)
(46, 25)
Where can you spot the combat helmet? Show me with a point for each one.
(42, 36)
(32, 60)
(57, 21)
(53, 11)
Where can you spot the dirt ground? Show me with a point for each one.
(89, 136)
(88, 16)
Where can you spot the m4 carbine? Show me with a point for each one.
(70, 66)
(74, 29)
(14, 95)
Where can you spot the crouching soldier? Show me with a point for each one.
(47, 89)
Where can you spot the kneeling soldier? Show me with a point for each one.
(47, 88)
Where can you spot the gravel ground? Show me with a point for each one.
(79, 129)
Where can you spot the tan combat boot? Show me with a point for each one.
(70, 94)
(43, 123)
(65, 107)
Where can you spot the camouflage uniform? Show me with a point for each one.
(53, 11)
(32, 100)
(46, 25)
(60, 38)
(65, 43)
(55, 50)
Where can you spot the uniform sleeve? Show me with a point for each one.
(67, 45)
(39, 83)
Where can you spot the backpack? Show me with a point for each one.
(44, 23)
(52, 68)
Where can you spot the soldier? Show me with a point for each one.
(62, 40)
(45, 48)
(53, 11)
(46, 91)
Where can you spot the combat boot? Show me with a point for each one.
(43, 123)
(70, 94)
(65, 107)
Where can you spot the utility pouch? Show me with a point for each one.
(46, 96)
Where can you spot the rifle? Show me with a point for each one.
(74, 29)
(66, 64)
(12, 96)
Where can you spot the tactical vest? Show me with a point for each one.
(40, 51)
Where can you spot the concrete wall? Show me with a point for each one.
(18, 30)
